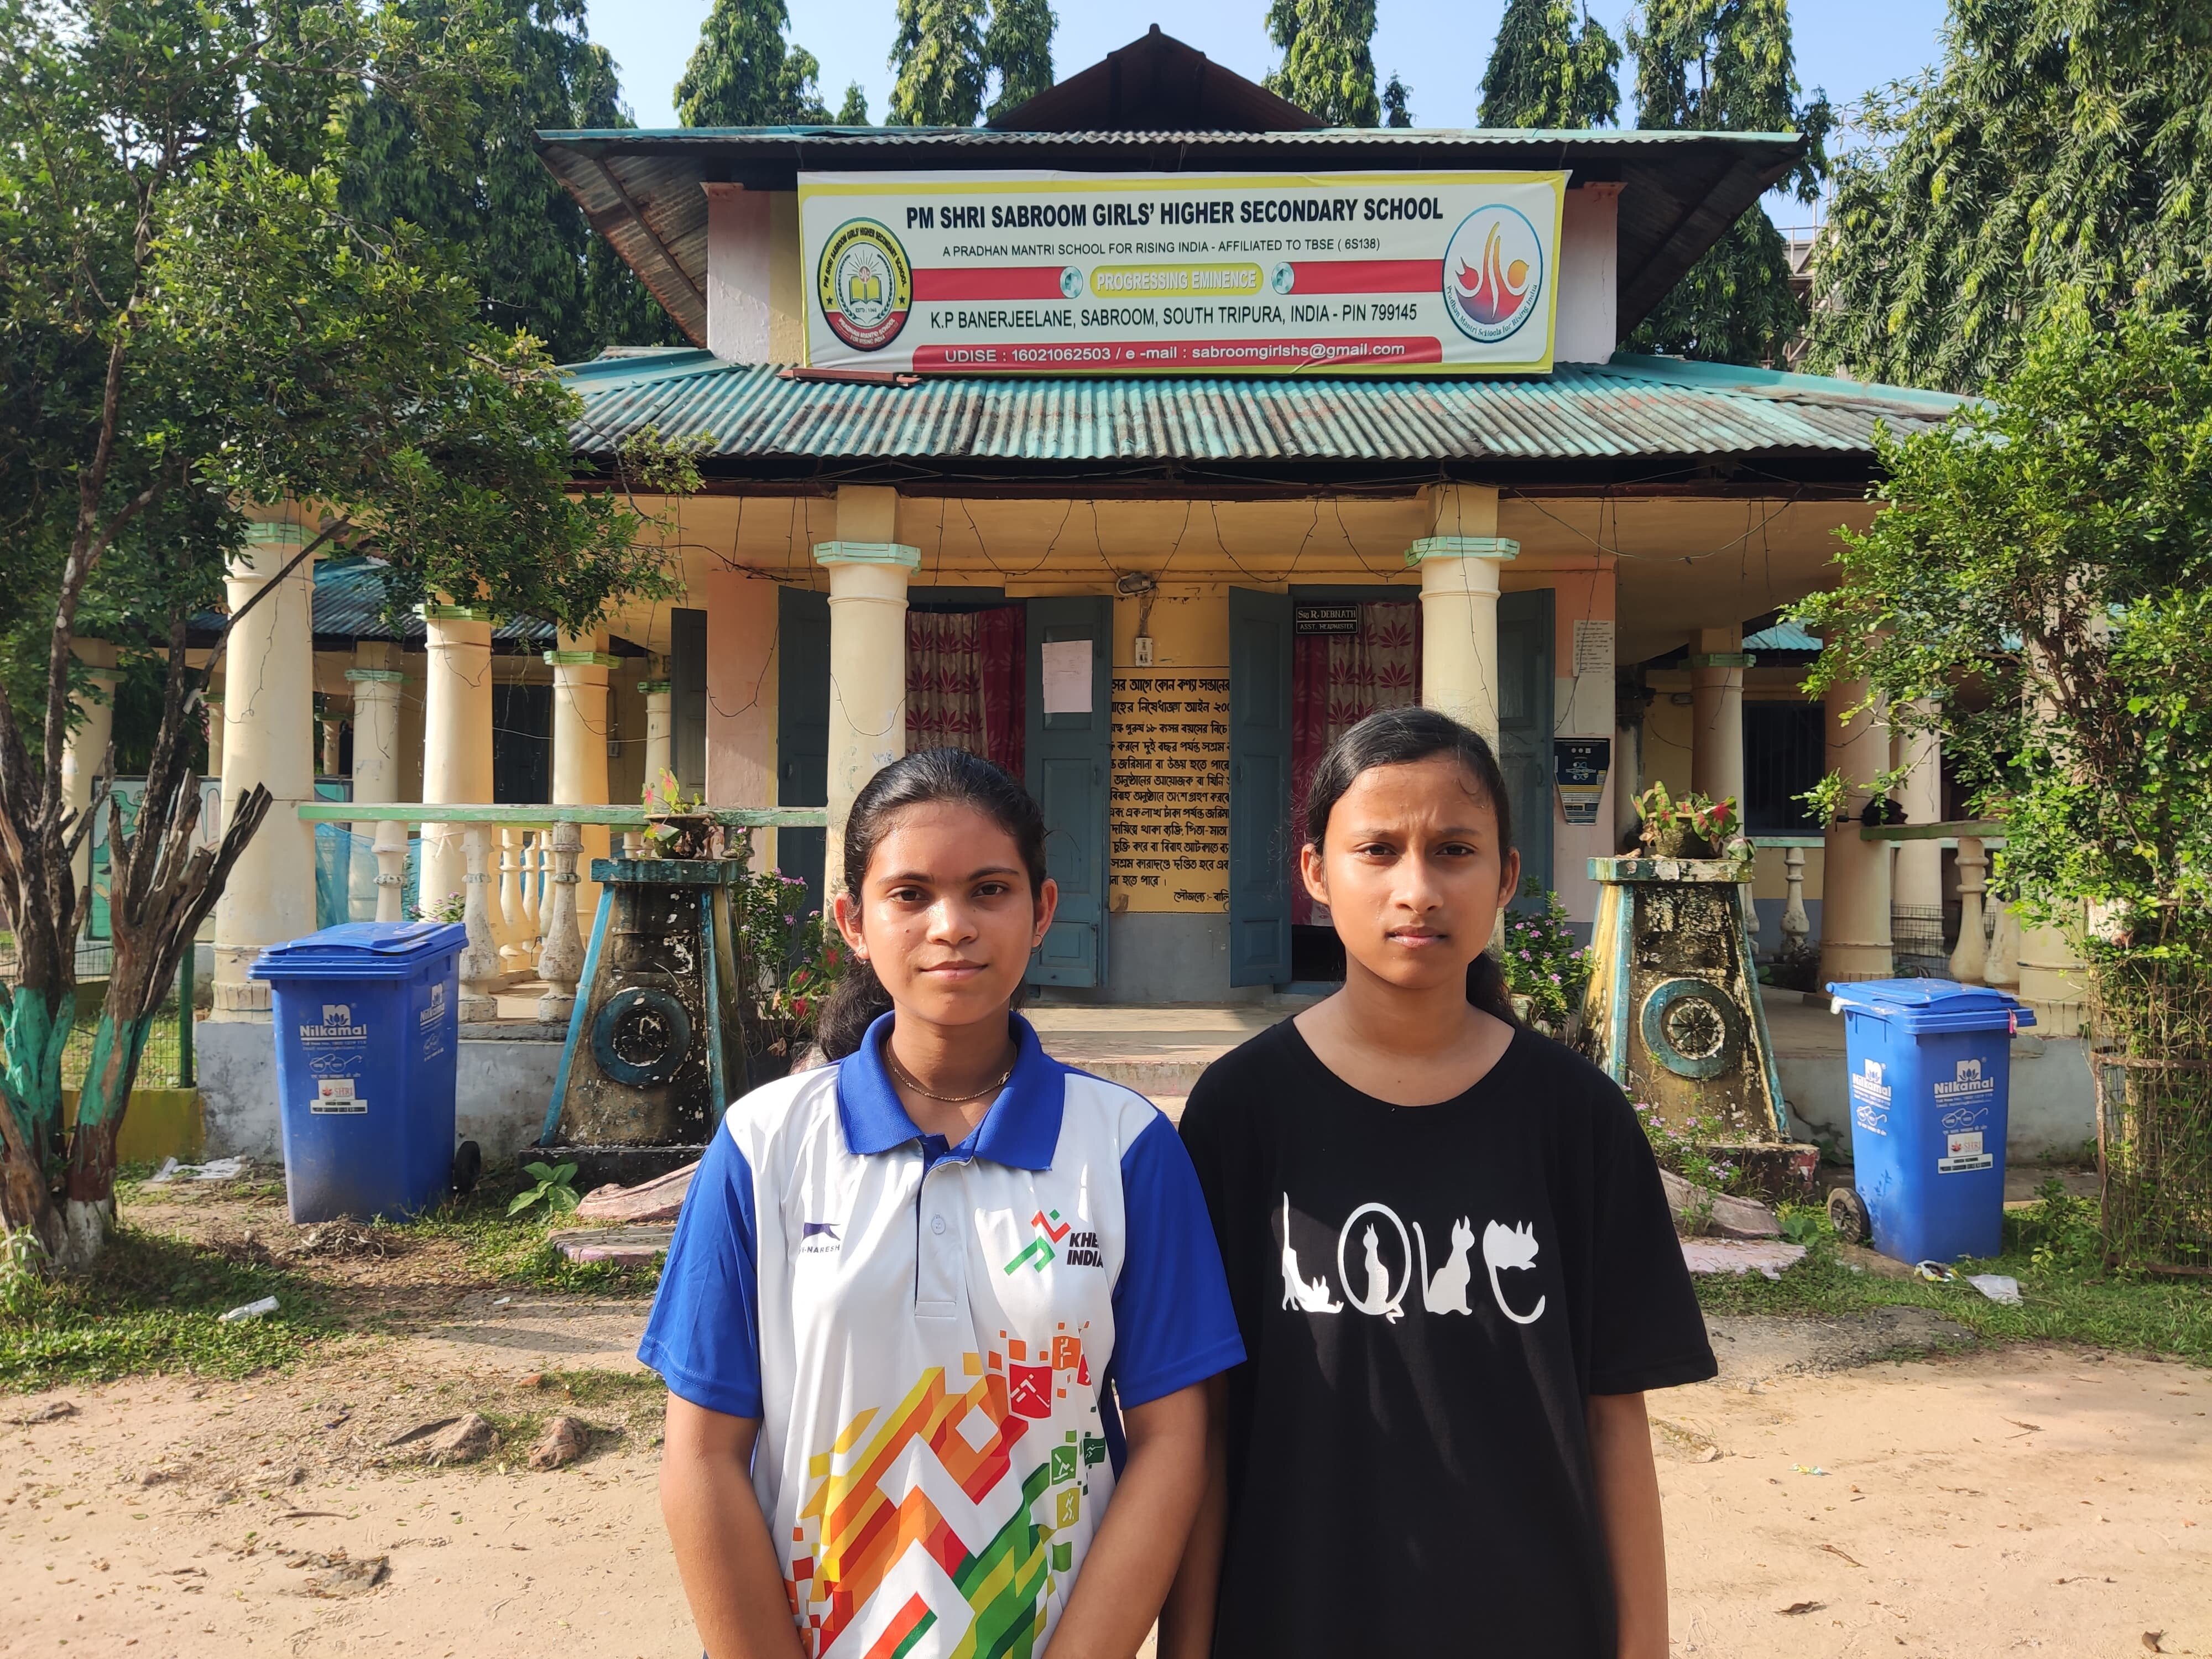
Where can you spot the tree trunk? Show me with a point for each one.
(88, 1209)
(34, 1029)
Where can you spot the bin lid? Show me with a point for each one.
(361, 949)
(1931, 1004)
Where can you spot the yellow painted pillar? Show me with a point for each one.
(1717, 660)
(659, 728)
(580, 746)
(87, 746)
(1459, 565)
(269, 739)
(456, 737)
(1855, 941)
(1917, 875)
(868, 574)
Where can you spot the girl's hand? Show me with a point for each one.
(731, 1575)
(1140, 1544)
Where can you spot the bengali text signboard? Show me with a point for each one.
(1053, 273)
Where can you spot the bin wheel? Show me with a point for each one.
(1847, 1212)
(468, 1165)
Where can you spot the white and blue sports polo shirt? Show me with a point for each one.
(926, 1333)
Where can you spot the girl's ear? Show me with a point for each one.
(1314, 872)
(845, 911)
(1048, 906)
(1508, 878)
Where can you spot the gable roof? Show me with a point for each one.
(641, 190)
(1157, 84)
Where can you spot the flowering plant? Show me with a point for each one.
(793, 955)
(1543, 964)
(1691, 826)
(675, 830)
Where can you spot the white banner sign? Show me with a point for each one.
(1060, 273)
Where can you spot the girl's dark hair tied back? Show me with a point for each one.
(924, 777)
(1400, 737)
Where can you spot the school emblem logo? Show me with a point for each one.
(864, 284)
(1494, 273)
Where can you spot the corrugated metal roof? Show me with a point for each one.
(1403, 138)
(350, 603)
(1631, 406)
(1783, 636)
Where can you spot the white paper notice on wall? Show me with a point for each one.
(1593, 648)
(1067, 676)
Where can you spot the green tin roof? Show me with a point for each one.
(1632, 408)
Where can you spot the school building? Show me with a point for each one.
(1143, 442)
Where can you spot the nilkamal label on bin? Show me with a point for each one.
(1870, 1099)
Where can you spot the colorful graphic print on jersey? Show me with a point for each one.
(876, 1564)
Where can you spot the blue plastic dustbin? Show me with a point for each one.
(1931, 1062)
(367, 1034)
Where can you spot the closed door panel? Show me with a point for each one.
(1066, 755)
(1261, 838)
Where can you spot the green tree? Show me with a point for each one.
(1329, 60)
(745, 74)
(939, 56)
(1017, 49)
(1397, 103)
(480, 189)
(2058, 146)
(2039, 591)
(208, 326)
(854, 112)
(1728, 66)
(1544, 71)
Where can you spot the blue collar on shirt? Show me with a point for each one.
(1020, 1131)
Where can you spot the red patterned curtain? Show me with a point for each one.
(1337, 680)
(964, 680)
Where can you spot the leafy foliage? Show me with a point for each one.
(2060, 146)
(2040, 577)
(1329, 62)
(210, 326)
(939, 55)
(475, 184)
(1546, 72)
(854, 112)
(1018, 50)
(554, 1186)
(1543, 963)
(1728, 66)
(1397, 101)
(745, 74)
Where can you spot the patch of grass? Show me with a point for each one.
(595, 1387)
(2052, 1248)
(151, 1305)
(519, 1249)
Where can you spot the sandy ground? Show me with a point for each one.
(1967, 1504)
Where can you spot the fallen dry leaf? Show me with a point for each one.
(1798, 1607)
(1833, 1551)
(2151, 1639)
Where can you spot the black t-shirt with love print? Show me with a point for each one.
(1428, 1296)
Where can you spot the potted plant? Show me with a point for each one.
(675, 827)
(1690, 826)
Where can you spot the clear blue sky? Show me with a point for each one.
(1846, 46)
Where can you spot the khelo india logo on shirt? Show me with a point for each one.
(1077, 1249)
(864, 284)
(1377, 1291)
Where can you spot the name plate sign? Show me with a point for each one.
(1057, 273)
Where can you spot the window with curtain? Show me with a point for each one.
(965, 683)
(1337, 680)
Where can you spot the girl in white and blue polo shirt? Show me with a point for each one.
(904, 1284)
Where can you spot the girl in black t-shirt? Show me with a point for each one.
(1453, 1268)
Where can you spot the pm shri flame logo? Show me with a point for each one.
(1494, 273)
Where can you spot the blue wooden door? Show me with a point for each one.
(1261, 842)
(802, 729)
(1524, 727)
(1066, 760)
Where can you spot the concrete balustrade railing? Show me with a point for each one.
(519, 896)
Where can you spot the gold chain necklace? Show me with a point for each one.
(913, 1082)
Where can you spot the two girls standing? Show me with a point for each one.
(1377, 1340)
